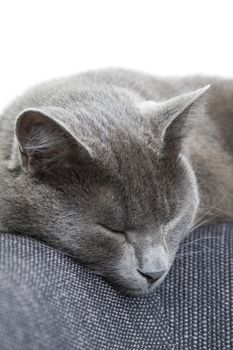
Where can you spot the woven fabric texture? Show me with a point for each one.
(48, 301)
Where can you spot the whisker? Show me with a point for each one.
(200, 224)
(203, 246)
(193, 253)
(219, 210)
(202, 217)
(199, 239)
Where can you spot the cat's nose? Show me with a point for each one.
(152, 276)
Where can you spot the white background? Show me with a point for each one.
(44, 39)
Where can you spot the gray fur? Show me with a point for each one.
(115, 167)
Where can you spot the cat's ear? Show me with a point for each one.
(170, 121)
(45, 142)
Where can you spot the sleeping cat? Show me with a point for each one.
(115, 167)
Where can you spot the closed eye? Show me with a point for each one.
(110, 229)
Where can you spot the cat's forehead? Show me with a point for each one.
(101, 97)
(108, 108)
(110, 123)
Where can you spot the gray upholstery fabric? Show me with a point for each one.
(47, 301)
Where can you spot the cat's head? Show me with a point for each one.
(109, 183)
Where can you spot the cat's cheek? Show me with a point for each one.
(171, 244)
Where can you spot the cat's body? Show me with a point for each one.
(137, 172)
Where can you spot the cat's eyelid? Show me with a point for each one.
(110, 229)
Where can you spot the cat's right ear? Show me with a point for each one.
(46, 143)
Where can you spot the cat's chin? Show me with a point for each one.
(141, 291)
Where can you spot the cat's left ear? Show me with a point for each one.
(170, 121)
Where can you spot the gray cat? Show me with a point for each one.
(115, 167)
